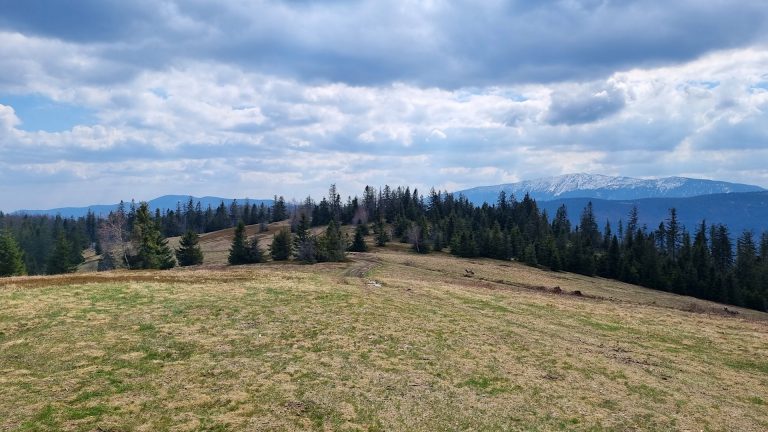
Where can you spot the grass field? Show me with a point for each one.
(294, 347)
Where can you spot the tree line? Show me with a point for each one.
(704, 263)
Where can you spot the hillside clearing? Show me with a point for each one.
(294, 347)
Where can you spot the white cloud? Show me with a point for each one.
(213, 128)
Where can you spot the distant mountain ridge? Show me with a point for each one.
(605, 187)
(738, 211)
(165, 202)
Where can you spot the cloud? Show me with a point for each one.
(430, 43)
(584, 105)
(255, 98)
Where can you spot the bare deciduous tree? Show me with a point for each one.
(113, 235)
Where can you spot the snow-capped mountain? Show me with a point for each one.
(605, 187)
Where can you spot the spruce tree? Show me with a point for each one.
(302, 230)
(332, 246)
(238, 251)
(279, 210)
(673, 234)
(358, 243)
(281, 245)
(747, 269)
(253, 253)
(305, 247)
(11, 257)
(153, 249)
(60, 261)
(464, 245)
(189, 252)
(381, 235)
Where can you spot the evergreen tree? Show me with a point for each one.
(11, 257)
(748, 272)
(304, 243)
(673, 235)
(529, 255)
(279, 210)
(60, 260)
(358, 244)
(380, 233)
(238, 251)
(464, 245)
(332, 246)
(253, 251)
(702, 264)
(281, 245)
(153, 251)
(417, 236)
(189, 252)
(588, 228)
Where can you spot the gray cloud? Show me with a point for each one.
(584, 105)
(256, 98)
(427, 43)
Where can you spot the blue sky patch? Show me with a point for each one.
(39, 113)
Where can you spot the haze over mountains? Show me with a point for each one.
(739, 206)
(605, 187)
(165, 202)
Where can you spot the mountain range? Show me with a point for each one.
(739, 206)
(605, 187)
(738, 211)
(166, 202)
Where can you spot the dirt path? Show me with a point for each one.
(362, 264)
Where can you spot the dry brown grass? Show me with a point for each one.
(295, 347)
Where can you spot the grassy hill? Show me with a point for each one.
(387, 341)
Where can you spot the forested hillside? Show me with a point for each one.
(700, 261)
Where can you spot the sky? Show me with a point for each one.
(102, 100)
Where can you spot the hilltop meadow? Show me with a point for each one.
(388, 340)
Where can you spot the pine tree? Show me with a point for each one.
(60, 261)
(281, 245)
(11, 257)
(358, 244)
(189, 252)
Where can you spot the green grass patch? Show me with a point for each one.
(647, 392)
(748, 365)
(482, 304)
(44, 420)
(81, 413)
(488, 385)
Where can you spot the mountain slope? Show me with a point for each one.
(280, 346)
(605, 187)
(163, 203)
